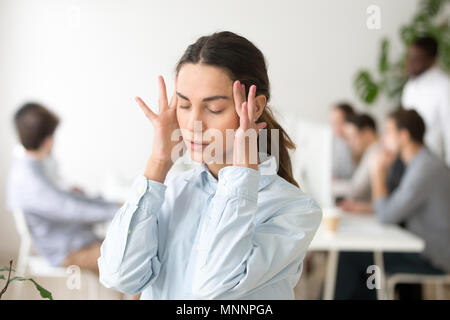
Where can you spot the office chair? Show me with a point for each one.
(438, 280)
(29, 264)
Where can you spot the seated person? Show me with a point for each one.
(422, 199)
(420, 202)
(343, 162)
(60, 221)
(361, 133)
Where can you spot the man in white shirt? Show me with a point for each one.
(428, 92)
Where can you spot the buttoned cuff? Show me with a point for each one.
(236, 181)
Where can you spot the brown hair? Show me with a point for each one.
(363, 121)
(411, 121)
(243, 61)
(346, 108)
(34, 123)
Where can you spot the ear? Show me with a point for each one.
(47, 144)
(50, 140)
(261, 101)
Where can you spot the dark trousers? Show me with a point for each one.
(351, 281)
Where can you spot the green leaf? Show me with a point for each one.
(408, 34)
(444, 52)
(5, 269)
(2, 277)
(366, 88)
(431, 8)
(383, 63)
(17, 279)
(43, 292)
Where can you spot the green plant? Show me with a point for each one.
(390, 77)
(43, 292)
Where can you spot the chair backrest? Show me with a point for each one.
(21, 224)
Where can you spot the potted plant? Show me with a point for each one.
(390, 77)
(43, 292)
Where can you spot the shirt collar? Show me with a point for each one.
(427, 74)
(420, 154)
(267, 169)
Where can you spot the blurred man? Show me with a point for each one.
(422, 200)
(428, 92)
(361, 133)
(60, 222)
(343, 162)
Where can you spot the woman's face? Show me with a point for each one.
(205, 110)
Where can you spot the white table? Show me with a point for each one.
(362, 232)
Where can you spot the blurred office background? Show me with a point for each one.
(87, 60)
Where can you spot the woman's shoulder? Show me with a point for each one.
(286, 204)
(288, 195)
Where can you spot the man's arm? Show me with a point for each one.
(404, 200)
(42, 197)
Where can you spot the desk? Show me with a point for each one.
(362, 232)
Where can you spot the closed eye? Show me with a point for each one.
(212, 111)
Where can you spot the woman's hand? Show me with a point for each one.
(164, 123)
(245, 151)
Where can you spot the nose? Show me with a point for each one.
(196, 124)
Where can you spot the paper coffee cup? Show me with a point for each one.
(331, 218)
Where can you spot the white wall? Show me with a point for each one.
(88, 68)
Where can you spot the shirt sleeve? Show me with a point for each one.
(406, 198)
(129, 259)
(358, 186)
(236, 256)
(42, 197)
(360, 183)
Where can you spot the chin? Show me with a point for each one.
(196, 156)
(200, 157)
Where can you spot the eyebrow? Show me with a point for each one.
(205, 99)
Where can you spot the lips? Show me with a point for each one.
(198, 146)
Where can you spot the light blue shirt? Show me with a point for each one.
(243, 236)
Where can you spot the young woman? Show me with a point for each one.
(223, 230)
